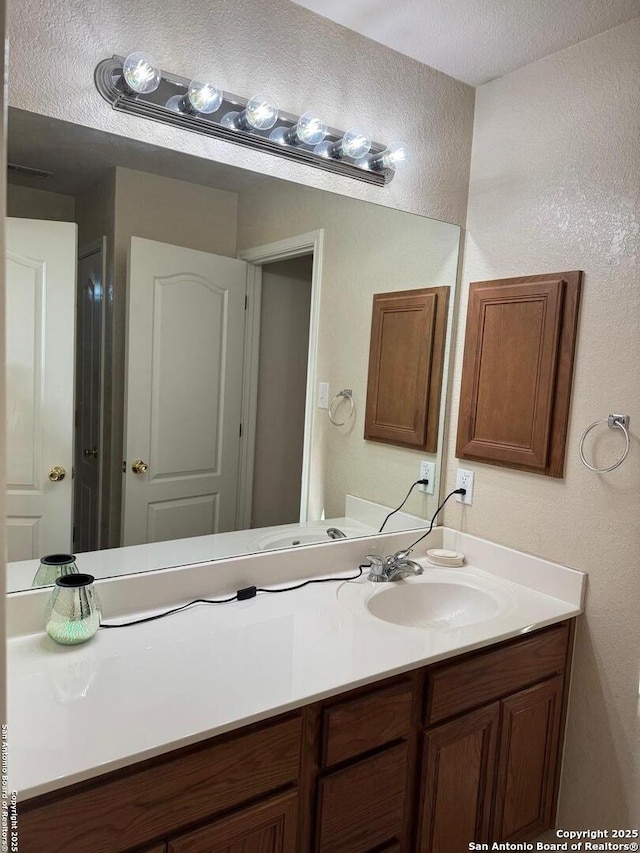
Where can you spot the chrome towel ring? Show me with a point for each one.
(347, 394)
(613, 422)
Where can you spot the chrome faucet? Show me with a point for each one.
(336, 533)
(392, 568)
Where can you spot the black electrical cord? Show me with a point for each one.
(433, 518)
(241, 595)
(251, 591)
(398, 508)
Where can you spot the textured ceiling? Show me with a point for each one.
(477, 40)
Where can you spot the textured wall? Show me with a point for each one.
(298, 57)
(29, 203)
(555, 185)
(367, 250)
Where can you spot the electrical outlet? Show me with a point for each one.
(428, 472)
(464, 480)
(323, 395)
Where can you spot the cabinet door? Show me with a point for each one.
(458, 765)
(406, 356)
(363, 806)
(159, 848)
(516, 373)
(527, 763)
(268, 827)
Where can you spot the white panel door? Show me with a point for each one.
(185, 345)
(41, 282)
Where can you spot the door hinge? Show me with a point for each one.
(240, 430)
(246, 301)
(124, 466)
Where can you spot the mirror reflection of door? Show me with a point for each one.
(89, 359)
(41, 276)
(185, 349)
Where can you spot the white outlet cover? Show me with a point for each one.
(428, 472)
(323, 395)
(464, 480)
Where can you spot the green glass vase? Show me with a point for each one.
(73, 612)
(54, 566)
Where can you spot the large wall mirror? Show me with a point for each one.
(179, 332)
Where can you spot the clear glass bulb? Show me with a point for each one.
(141, 73)
(310, 129)
(393, 157)
(204, 97)
(260, 113)
(355, 143)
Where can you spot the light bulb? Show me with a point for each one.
(260, 113)
(141, 73)
(204, 97)
(309, 129)
(393, 157)
(355, 143)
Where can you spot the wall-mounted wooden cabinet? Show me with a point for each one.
(406, 358)
(517, 371)
(426, 762)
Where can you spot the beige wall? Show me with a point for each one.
(282, 385)
(169, 211)
(555, 185)
(367, 249)
(302, 59)
(29, 203)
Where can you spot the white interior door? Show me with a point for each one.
(41, 276)
(185, 345)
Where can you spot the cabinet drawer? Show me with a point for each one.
(458, 687)
(157, 800)
(363, 806)
(366, 722)
(268, 827)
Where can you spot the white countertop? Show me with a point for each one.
(129, 694)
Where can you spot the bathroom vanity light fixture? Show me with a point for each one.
(135, 84)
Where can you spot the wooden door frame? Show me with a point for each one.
(99, 245)
(310, 243)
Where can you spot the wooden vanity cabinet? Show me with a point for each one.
(465, 750)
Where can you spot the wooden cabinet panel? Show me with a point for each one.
(268, 827)
(516, 379)
(406, 356)
(527, 764)
(375, 719)
(363, 806)
(458, 687)
(156, 800)
(159, 848)
(458, 767)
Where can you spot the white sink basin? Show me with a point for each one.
(440, 599)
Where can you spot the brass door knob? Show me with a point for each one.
(57, 473)
(139, 467)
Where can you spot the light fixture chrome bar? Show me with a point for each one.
(109, 82)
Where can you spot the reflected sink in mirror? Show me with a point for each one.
(301, 535)
(437, 600)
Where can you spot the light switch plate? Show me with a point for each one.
(323, 395)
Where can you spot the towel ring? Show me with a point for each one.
(613, 422)
(347, 393)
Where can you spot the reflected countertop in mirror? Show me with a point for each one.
(195, 323)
